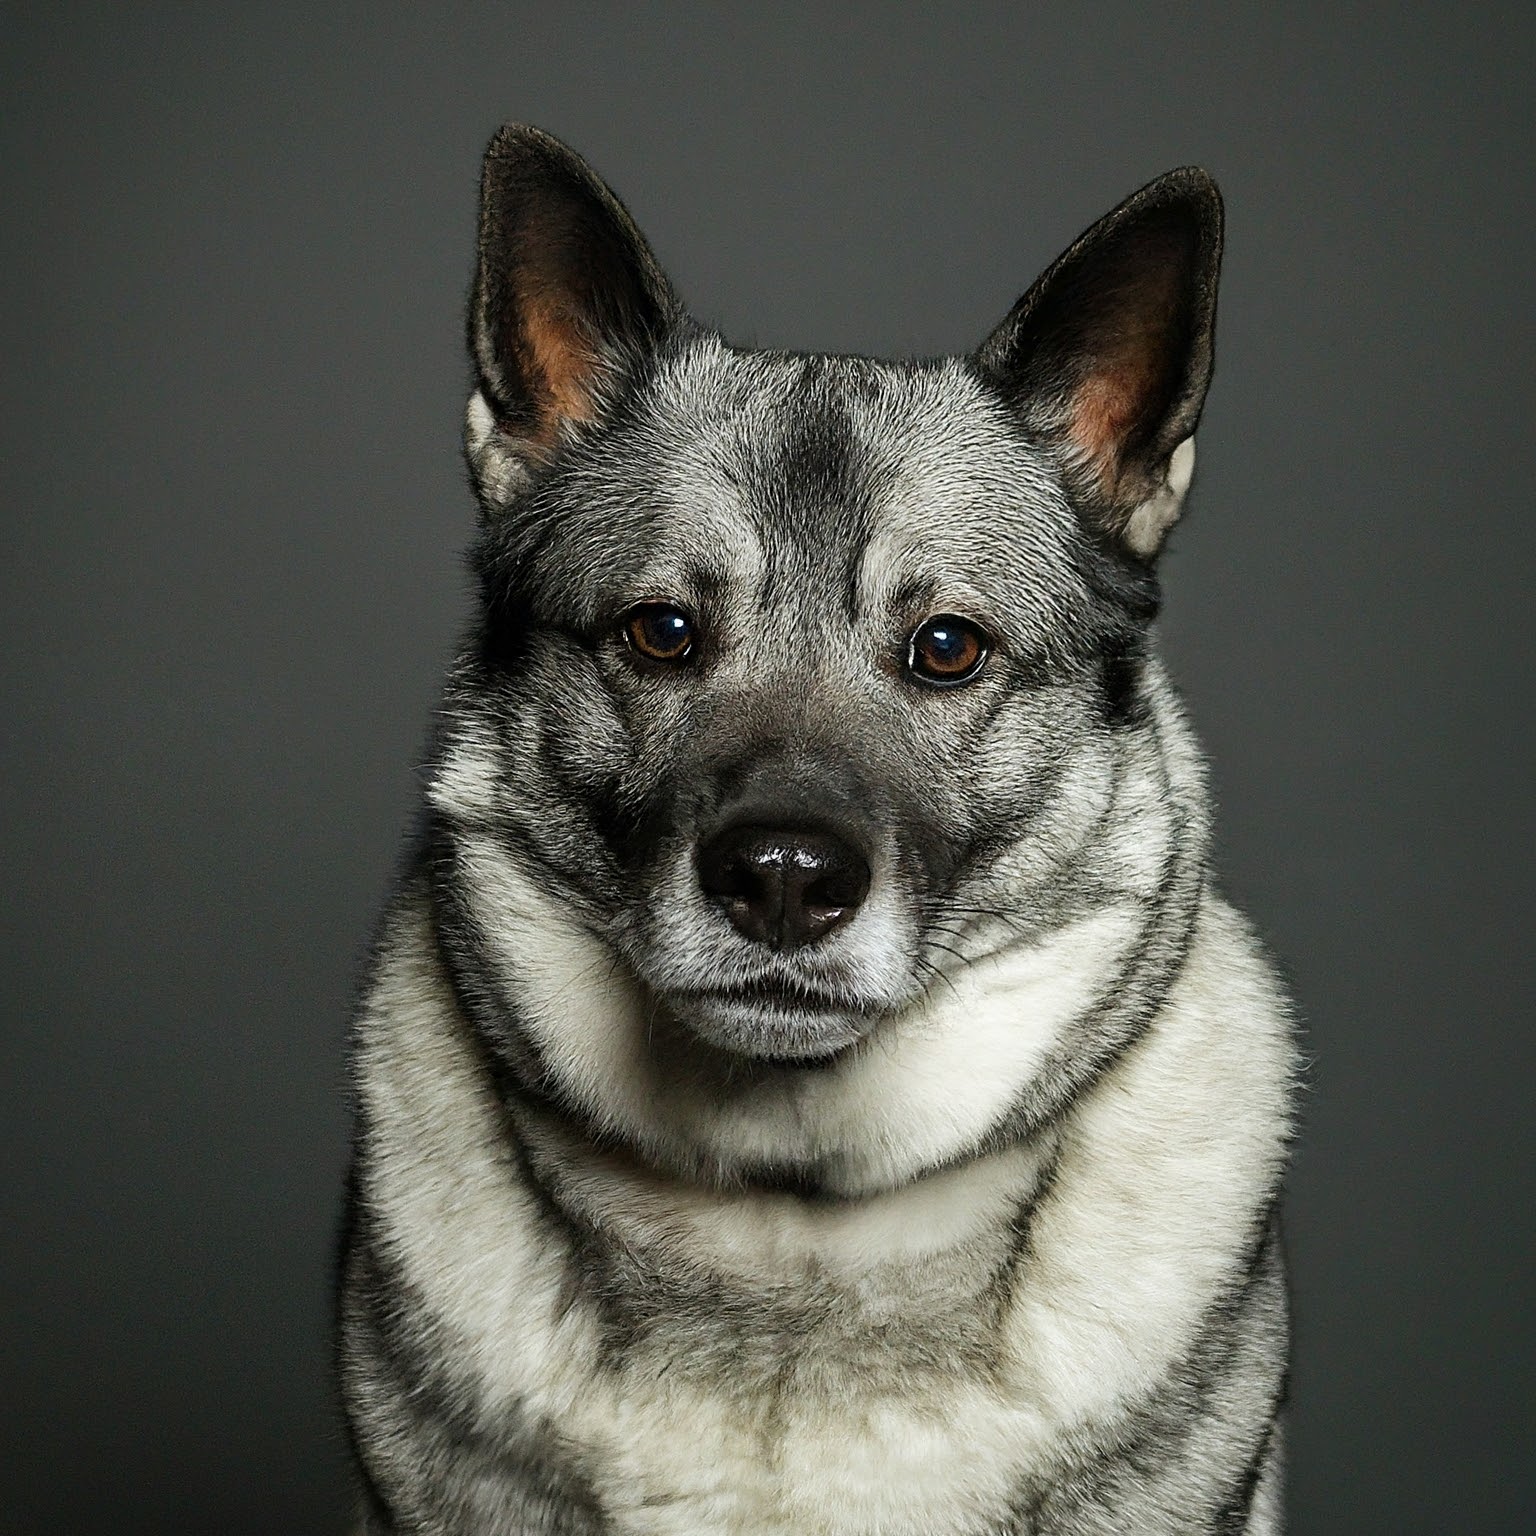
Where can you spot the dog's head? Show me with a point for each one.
(802, 674)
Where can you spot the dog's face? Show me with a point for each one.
(806, 670)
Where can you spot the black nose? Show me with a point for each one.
(783, 886)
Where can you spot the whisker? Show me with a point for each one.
(948, 950)
(929, 972)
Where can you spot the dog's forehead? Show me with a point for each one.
(865, 477)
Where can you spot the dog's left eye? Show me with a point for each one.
(946, 650)
(659, 632)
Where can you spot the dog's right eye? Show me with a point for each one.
(659, 632)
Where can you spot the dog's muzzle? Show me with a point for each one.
(784, 884)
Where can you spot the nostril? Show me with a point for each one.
(726, 874)
(843, 889)
(745, 884)
(824, 898)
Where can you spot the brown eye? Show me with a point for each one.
(946, 650)
(660, 632)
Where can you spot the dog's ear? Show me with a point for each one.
(568, 299)
(1107, 358)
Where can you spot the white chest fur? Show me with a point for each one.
(678, 1465)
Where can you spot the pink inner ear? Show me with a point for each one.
(1106, 408)
(562, 362)
(1121, 387)
(1103, 408)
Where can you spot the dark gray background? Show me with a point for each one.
(236, 251)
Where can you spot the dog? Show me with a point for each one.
(809, 1084)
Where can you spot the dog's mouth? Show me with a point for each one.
(782, 1026)
(780, 998)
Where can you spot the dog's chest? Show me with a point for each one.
(762, 1364)
(830, 1408)
(895, 1468)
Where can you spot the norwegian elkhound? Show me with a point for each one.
(809, 1082)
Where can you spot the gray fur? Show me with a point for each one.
(1004, 1257)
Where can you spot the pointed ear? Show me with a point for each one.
(568, 298)
(1107, 358)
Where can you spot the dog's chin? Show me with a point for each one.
(775, 1030)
